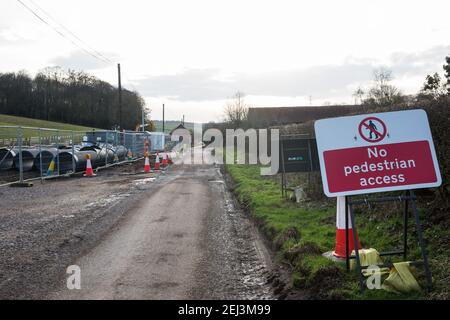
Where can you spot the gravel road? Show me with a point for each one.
(177, 235)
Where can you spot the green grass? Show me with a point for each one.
(300, 233)
(169, 125)
(11, 133)
(7, 120)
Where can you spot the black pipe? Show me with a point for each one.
(47, 156)
(121, 152)
(7, 158)
(28, 156)
(66, 160)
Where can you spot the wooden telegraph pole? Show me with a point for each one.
(163, 120)
(120, 96)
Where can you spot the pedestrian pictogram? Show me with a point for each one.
(373, 163)
(372, 129)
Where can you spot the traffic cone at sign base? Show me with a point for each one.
(157, 161)
(51, 167)
(89, 171)
(340, 249)
(146, 163)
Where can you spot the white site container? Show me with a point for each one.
(157, 141)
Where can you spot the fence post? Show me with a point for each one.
(40, 153)
(73, 152)
(134, 145)
(19, 138)
(57, 150)
(106, 149)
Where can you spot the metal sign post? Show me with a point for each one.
(298, 153)
(408, 197)
(380, 152)
(283, 172)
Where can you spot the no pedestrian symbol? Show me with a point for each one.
(372, 129)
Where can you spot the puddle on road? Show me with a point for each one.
(143, 181)
(216, 181)
(103, 202)
(142, 184)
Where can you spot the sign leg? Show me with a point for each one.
(347, 245)
(282, 185)
(405, 229)
(355, 241)
(421, 243)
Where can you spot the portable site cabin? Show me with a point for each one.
(131, 140)
(157, 141)
(103, 136)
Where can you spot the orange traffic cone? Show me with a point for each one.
(89, 171)
(340, 249)
(146, 163)
(157, 161)
(164, 160)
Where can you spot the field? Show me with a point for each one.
(8, 135)
(169, 125)
(300, 233)
(6, 120)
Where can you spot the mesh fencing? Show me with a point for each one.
(28, 153)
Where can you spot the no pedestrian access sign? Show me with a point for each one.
(376, 153)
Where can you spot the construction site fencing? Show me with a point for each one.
(28, 153)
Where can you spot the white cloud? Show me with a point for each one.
(203, 50)
(323, 81)
(79, 60)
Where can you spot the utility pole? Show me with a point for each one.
(183, 120)
(163, 119)
(120, 96)
(143, 119)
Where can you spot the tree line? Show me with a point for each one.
(383, 93)
(70, 96)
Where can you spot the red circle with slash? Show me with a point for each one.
(370, 124)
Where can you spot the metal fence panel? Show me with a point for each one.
(28, 153)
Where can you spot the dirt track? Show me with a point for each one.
(178, 236)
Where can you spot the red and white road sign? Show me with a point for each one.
(377, 152)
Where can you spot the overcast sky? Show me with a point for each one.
(193, 55)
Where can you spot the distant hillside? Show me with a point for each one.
(171, 124)
(69, 96)
(6, 120)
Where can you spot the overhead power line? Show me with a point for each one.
(93, 53)
(70, 32)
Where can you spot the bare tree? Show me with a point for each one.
(236, 110)
(359, 95)
(383, 93)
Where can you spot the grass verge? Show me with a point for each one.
(300, 233)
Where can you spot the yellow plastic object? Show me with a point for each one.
(400, 279)
(367, 257)
(382, 271)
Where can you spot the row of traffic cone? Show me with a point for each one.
(90, 171)
(165, 162)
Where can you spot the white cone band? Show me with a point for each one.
(340, 214)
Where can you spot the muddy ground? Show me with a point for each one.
(88, 221)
